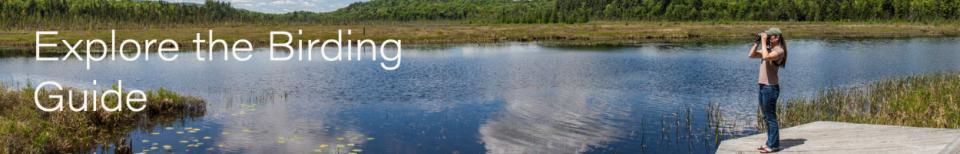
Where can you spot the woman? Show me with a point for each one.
(773, 55)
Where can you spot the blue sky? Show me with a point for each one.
(283, 6)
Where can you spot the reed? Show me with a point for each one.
(591, 34)
(920, 101)
(26, 129)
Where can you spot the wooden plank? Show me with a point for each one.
(844, 138)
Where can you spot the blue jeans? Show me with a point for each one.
(768, 105)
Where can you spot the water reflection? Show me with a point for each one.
(553, 107)
(545, 121)
(287, 124)
(504, 98)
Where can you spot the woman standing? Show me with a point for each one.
(773, 55)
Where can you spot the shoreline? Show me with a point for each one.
(927, 100)
(26, 129)
(445, 33)
(924, 100)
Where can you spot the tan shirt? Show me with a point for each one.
(768, 71)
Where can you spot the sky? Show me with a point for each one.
(284, 6)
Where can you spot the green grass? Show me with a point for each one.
(919, 101)
(26, 129)
(455, 32)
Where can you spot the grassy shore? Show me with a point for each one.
(26, 129)
(920, 101)
(447, 32)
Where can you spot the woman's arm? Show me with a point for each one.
(753, 51)
(768, 54)
(773, 54)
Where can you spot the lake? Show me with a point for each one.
(494, 98)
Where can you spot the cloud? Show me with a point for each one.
(284, 6)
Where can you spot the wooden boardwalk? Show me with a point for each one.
(847, 138)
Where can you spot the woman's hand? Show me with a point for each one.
(763, 40)
(763, 44)
(763, 37)
(753, 51)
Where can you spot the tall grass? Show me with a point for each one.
(919, 101)
(592, 34)
(26, 129)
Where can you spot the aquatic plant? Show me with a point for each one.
(26, 129)
(919, 101)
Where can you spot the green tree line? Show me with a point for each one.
(511, 11)
(779, 10)
(31, 13)
(134, 13)
(553, 11)
(79, 13)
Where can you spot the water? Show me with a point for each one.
(503, 98)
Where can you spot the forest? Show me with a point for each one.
(554, 11)
(89, 13)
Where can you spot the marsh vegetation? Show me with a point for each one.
(920, 101)
(26, 129)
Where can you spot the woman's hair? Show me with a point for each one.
(782, 63)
